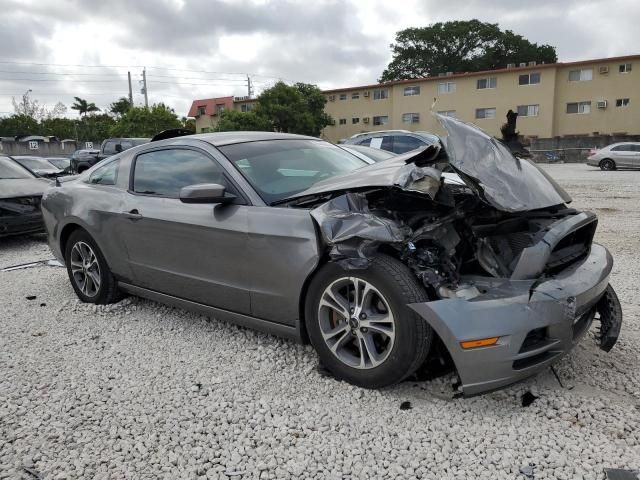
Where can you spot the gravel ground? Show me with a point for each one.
(140, 390)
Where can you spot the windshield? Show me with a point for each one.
(277, 169)
(34, 163)
(374, 154)
(11, 170)
(508, 183)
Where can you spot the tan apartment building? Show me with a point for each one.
(207, 111)
(579, 98)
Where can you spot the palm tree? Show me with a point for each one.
(83, 107)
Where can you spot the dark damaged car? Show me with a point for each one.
(20, 195)
(378, 266)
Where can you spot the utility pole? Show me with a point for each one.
(130, 91)
(144, 87)
(249, 87)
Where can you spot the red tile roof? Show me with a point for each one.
(209, 105)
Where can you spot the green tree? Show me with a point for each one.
(95, 128)
(83, 107)
(59, 127)
(145, 122)
(120, 106)
(294, 109)
(19, 125)
(232, 120)
(460, 46)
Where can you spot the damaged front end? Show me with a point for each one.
(499, 252)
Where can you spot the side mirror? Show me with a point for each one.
(205, 193)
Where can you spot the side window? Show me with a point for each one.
(387, 143)
(126, 144)
(405, 143)
(622, 148)
(105, 175)
(110, 148)
(366, 142)
(165, 172)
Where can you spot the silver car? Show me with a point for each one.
(372, 264)
(624, 154)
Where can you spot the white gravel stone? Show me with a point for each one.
(142, 390)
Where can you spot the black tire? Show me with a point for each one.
(107, 291)
(607, 164)
(413, 336)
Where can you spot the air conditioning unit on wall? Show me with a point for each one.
(366, 94)
(604, 69)
(365, 120)
(602, 104)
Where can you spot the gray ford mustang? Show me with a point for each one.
(373, 264)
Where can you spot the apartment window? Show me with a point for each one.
(447, 87)
(355, 96)
(624, 68)
(410, 91)
(219, 108)
(380, 120)
(410, 118)
(483, 83)
(343, 96)
(529, 78)
(622, 102)
(579, 107)
(343, 121)
(201, 110)
(581, 75)
(246, 107)
(380, 94)
(355, 120)
(528, 110)
(448, 113)
(485, 113)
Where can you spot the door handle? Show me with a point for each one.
(132, 214)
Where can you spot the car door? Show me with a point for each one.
(191, 251)
(623, 155)
(636, 157)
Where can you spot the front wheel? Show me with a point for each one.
(360, 326)
(607, 164)
(88, 271)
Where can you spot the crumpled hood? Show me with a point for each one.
(508, 183)
(22, 187)
(487, 166)
(398, 171)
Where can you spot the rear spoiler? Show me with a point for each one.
(174, 132)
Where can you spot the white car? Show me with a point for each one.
(624, 154)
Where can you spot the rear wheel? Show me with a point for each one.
(88, 271)
(359, 323)
(607, 164)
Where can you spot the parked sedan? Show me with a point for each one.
(38, 165)
(625, 154)
(396, 141)
(20, 195)
(373, 264)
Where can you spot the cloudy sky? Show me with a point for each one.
(205, 48)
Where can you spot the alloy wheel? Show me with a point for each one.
(356, 322)
(85, 269)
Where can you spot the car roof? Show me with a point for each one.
(228, 138)
(622, 143)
